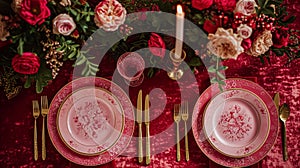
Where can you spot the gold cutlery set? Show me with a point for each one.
(284, 112)
(181, 112)
(139, 118)
(36, 113)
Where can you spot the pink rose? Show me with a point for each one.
(201, 4)
(63, 24)
(244, 31)
(225, 5)
(156, 45)
(34, 11)
(245, 7)
(280, 37)
(28, 63)
(109, 17)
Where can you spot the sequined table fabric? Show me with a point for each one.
(16, 131)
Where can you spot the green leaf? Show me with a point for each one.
(150, 72)
(20, 46)
(80, 60)
(213, 80)
(261, 2)
(27, 84)
(72, 54)
(38, 87)
(212, 69)
(221, 75)
(195, 61)
(269, 12)
(222, 68)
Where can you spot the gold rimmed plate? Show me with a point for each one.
(236, 122)
(90, 121)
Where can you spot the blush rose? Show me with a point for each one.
(225, 44)
(245, 7)
(109, 18)
(63, 24)
(261, 44)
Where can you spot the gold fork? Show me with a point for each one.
(45, 110)
(36, 113)
(177, 117)
(185, 115)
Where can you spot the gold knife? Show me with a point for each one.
(277, 101)
(139, 121)
(147, 123)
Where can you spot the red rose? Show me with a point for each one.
(210, 27)
(225, 5)
(201, 4)
(156, 45)
(34, 11)
(28, 63)
(280, 38)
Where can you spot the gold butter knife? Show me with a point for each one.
(277, 101)
(147, 123)
(139, 121)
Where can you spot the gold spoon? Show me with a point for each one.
(284, 114)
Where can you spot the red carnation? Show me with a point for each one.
(28, 63)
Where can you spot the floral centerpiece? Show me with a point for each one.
(38, 36)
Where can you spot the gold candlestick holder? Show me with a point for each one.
(176, 73)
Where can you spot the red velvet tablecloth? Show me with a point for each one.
(16, 131)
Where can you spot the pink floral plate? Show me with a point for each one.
(90, 120)
(117, 148)
(236, 122)
(199, 133)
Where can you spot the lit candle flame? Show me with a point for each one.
(179, 9)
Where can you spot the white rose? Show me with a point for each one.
(261, 44)
(225, 44)
(63, 24)
(246, 7)
(244, 31)
(109, 16)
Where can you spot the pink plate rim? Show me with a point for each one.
(112, 152)
(199, 134)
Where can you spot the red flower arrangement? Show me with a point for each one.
(60, 29)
